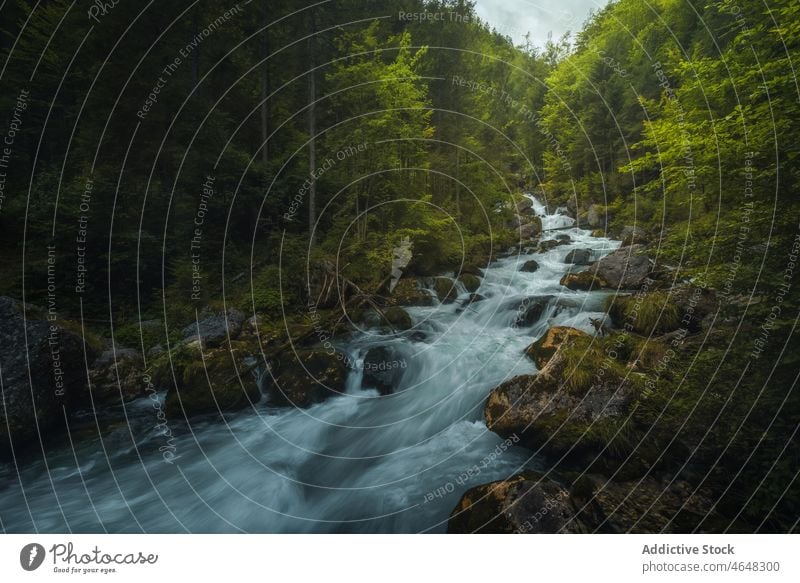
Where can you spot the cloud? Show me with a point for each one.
(515, 18)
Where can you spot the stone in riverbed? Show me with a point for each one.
(525, 503)
(529, 266)
(579, 257)
(583, 280)
(408, 293)
(625, 268)
(471, 282)
(545, 347)
(39, 378)
(445, 289)
(310, 376)
(559, 421)
(383, 369)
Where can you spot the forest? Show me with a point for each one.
(162, 165)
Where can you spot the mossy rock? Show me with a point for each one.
(470, 282)
(408, 293)
(583, 280)
(553, 418)
(647, 314)
(471, 269)
(545, 347)
(214, 381)
(310, 376)
(398, 318)
(445, 289)
(545, 246)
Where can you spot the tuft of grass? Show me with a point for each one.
(651, 313)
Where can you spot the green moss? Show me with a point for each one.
(651, 313)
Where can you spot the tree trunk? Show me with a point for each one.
(265, 90)
(312, 132)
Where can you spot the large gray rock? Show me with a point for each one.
(531, 229)
(383, 369)
(43, 372)
(579, 257)
(625, 268)
(213, 328)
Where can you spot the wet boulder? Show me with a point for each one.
(117, 376)
(212, 329)
(529, 266)
(211, 381)
(580, 257)
(549, 244)
(625, 268)
(563, 238)
(309, 376)
(408, 292)
(531, 310)
(471, 269)
(596, 217)
(546, 347)
(525, 503)
(470, 282)
(445, 289)
(383, 369)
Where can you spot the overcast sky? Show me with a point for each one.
(515, 18)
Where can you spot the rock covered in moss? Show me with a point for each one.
(625, 268)
(525, 503)
(117, 376)
(407, 292)
(583, 281)
(470, 282)
(546, 347)
(546, 411)
(579, 257)
(212, 381)
(44, 370)
(309, 376)
(531, 310)
(212, 329)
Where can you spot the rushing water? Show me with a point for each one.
(360, 462)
